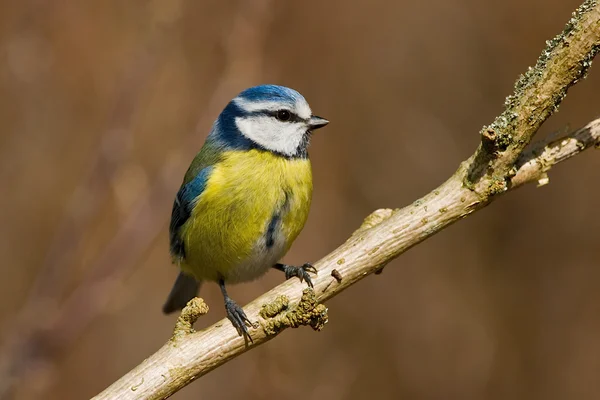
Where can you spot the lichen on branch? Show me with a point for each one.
(537, 95)
(194, 309)
(278, 315)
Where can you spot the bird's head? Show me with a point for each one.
(269, 117)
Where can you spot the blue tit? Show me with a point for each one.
(245, 197)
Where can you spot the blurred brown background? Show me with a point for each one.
(103, 103)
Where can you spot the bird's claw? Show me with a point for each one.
(301, 272)
(238, 318)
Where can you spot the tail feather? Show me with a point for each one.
(184, 289)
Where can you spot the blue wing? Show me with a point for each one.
(182, 209)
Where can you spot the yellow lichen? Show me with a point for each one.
(195, 308)
(278, 305)
(279, 315)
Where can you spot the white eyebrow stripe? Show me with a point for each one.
(303, 110)
(301, 107)
(252, 106)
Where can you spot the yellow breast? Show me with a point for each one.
(228, 233)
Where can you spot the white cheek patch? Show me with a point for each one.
(274, 135)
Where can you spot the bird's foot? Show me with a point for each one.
(302, 272)
(238, 318)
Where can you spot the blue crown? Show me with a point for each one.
(271, 93)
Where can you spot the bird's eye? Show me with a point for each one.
(284, 115)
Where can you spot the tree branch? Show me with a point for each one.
(498, 165)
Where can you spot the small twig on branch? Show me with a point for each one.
(497, 166)
(188, 317)
(534, 163)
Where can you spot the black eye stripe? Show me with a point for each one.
(293, 117)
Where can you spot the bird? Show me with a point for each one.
(244, 198)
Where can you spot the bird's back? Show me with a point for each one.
(253, 206)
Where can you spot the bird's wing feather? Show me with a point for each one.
(192, 187)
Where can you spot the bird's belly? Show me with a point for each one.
(259, 261)
(247, 218)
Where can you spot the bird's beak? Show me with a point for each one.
(317, 122)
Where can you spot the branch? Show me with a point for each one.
(498, 166)
(383, 236)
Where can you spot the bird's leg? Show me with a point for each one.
(301, 272)
(236, 314)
